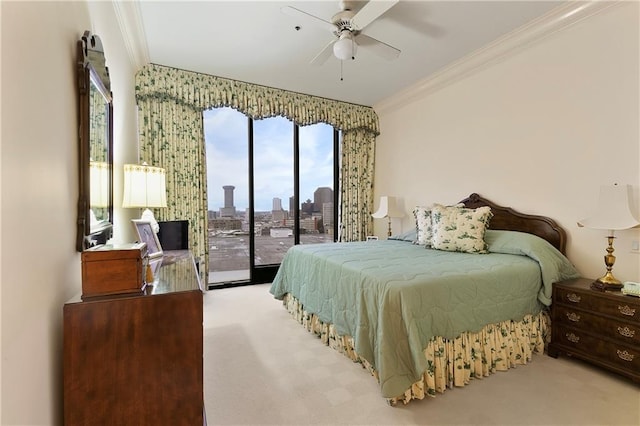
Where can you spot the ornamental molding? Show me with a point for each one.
(132, 30)
(497, 51)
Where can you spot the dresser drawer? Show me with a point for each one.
(626, 332)
(592, 347)
(623, 307)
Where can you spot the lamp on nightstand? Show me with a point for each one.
(613, 213)
(388, 209)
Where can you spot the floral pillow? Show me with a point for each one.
(423, 225)
(460, 228)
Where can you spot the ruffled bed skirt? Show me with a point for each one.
(497, 347)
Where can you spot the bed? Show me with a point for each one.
(424, 317)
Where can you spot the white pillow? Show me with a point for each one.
(460, 228)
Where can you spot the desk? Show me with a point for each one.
(137, 358)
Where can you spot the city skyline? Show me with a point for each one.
(226, 188)
(226, 138)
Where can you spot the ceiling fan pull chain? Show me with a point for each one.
(341, 62)
(353, 49)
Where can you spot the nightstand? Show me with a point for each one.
(601, 327)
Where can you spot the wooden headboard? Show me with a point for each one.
(505, 218)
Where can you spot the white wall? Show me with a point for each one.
(40, 267)
(540, 131)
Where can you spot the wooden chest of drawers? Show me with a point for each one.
(137, 359)
(599, 327)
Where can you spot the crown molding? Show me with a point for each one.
(132, 29)
(512, 43)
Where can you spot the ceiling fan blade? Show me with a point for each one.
(324, 54)
(371, 11)
(307, 17)
(376, 46)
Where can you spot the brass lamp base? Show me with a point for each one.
(608, 281)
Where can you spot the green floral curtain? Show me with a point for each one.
(170, 103)
(97, 126)
(171, 138)
(356, 185)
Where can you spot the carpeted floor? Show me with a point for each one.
(262, 368)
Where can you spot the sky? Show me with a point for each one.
(226, 138)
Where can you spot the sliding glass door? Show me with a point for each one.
(270, 186)
(227, 142)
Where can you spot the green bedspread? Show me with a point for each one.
(392, 296)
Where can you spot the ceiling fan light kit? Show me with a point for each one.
(345, 48)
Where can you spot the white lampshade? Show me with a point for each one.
(145, 186)
(98, 183)
(388, 208)
(613, 211)
(345, 48)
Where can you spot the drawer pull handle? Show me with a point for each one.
(626, 331)
(572, 316)
(572, 297)
(624, 355)
(626, 310)
(573, 338)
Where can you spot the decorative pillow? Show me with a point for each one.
(460, 228)
(423, 225)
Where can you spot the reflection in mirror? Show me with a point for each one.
(95, 202)
(98, 151)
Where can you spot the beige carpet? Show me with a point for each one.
(262, 368)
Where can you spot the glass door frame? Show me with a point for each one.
(261, 274)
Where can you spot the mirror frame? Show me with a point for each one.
(91, 68)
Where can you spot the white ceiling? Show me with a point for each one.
(254, 41)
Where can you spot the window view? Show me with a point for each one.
(316, 184)
(227, 139)
(230, 194)
(273, 185)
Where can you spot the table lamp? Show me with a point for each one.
(144, 187)
(388, 209)
(612, 213)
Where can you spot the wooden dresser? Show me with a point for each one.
(599, 327)
(136, 359)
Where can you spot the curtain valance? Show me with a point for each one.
(203, 91)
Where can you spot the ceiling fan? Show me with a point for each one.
(347, 27)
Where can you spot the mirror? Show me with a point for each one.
(95, 109)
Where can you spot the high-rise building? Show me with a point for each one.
(327, 214)
(292, 206)
(277, 213)
(306, 208)
(229, 210)
(322, 195)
